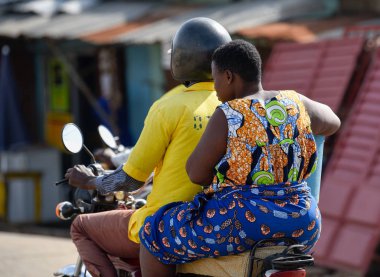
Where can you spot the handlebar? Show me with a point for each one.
(92, 201)
(96, 168)
(63, 181)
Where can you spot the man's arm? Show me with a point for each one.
(117, 180)
(82, 177)
(143, 159)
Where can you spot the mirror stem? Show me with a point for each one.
(89, 152)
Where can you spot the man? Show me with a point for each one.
(172, 129)
(113, 160)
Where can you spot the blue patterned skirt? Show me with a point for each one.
(231, 221)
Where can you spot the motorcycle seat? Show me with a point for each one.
(229, 266)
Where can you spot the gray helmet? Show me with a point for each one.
(192, 48)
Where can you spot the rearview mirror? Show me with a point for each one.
(72, 138)
(107, 137)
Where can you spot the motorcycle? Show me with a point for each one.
(91, 201)
(268, 258)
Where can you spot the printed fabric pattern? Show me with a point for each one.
(267, 144)
(259, 189)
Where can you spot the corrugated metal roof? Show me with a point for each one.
(145, 23)
(302, 30)
(100, 17)
(282, 31)
(350, 193)
(320, 70)
(156, 14)
(232, 16)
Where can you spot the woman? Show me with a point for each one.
(256, 153)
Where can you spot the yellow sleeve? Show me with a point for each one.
(150, 147)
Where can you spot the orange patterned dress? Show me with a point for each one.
(258, 192)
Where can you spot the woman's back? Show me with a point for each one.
(268, 143)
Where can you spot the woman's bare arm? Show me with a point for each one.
(323, 120)
(210, 149)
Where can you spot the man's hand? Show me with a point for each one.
(81, 177)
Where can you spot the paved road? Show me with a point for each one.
(28, 255)
(39, 252)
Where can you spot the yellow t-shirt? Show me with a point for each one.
(172, 129)
(175, 90)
